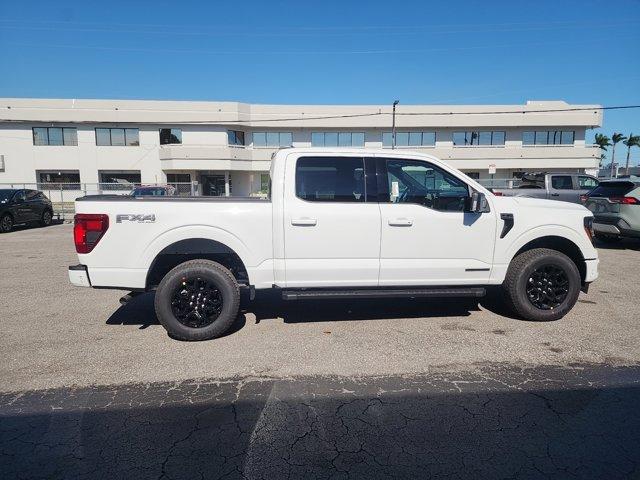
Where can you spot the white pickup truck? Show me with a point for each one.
(337, 224)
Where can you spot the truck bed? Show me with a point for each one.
(139, 228)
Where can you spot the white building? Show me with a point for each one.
(226, 147)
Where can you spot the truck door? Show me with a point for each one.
(561, 188)
(331, 230)
(427, 237)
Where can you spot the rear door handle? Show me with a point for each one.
(304, 222)
(400, 222)
(555, 194)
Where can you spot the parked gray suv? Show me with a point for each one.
(616, 209)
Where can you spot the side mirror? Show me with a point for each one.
(18, 200)
(478, 203)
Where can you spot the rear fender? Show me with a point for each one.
(196, 231)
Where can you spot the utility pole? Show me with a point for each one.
(393, 125)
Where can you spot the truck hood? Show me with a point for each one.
(506, 202)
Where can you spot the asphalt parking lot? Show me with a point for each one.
(367, 389)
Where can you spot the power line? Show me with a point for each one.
(355, 115)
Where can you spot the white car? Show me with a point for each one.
(337, 223)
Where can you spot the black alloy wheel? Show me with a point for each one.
(6, 223)
(542, 284)
(547, 287)
(46, 218)
(196, 302)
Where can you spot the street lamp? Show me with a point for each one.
(393, 125)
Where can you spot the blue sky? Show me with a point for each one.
(327, 52)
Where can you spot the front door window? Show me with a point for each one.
(412, 181)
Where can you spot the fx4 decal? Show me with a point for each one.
(139, 218)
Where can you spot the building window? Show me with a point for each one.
(59, 180)
(117, 137)
(170, 136)
(272, 139)
(473, 175)
(235, 137)
(548, 137)
(178, 178)
(478, 138)
(337, 139)
(119, 179)
(409, 139)
(330, 179)
(55, 136)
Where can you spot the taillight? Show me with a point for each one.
(88, 229)
(624, 200)
(498, 194)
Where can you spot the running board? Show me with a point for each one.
(475, 292)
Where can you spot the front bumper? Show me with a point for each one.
(79, 276)
(618, 225)
(591, 271)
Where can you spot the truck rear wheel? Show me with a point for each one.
(197, 300)
(542, 284)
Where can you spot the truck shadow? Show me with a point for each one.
(269, 305)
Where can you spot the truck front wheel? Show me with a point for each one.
(197, 300)
(542, 284)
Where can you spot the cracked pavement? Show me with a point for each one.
(368, 389)
(498, 422)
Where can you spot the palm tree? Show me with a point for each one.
(603, 142)
(632, 141)
(615, 138)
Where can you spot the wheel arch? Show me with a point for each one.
(561, 244)
(183, 250)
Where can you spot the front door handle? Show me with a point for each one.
(304, 222)
(400, 222)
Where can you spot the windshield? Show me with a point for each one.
(5, 195)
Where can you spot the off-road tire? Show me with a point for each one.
(519, 273)
(213, 273)
(6, 223)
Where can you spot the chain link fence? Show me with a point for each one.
(63, 195)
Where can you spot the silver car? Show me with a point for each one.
(616, 209)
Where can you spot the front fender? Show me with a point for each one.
(505, 254)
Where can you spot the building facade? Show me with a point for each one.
(224, 148)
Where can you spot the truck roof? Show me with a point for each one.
(364, 151)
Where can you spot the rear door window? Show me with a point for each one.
(330, 179)
(561, 182)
